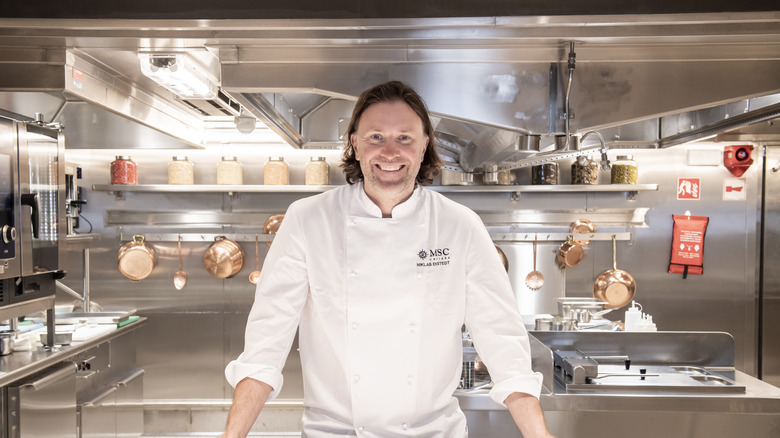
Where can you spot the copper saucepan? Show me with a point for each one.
(272, 225)
(570, 253)
(224, 258)
(582, 226)
(615, 286)
(136, 259)
(502, 256)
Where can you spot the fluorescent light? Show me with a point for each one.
(179, 74)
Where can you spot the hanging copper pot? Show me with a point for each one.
(136, 259)
(615, 286)
(224, 258)
(570, 253)
(272, 225)
(502, 256)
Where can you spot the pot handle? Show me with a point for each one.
(138, 238)
(614, 253)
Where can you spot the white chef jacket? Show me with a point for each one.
(379, 304)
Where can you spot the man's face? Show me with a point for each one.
(390, 144)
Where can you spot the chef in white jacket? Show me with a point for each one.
(379, 277)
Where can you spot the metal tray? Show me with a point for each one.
(93, 317)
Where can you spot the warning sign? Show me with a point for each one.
(688, 188)
(734, 189)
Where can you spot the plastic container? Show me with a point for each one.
(276, 172)
(584, 171)
(317, 172)
(124, 171)
(229, 172)
(625, 170)
(546, 173)
(181, 171)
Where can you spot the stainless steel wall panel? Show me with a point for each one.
(770, 303)
(191, 334)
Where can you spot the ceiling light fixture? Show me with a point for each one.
(179, 74)
(245, 122)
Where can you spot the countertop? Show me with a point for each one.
(21, 364)
(759, 398)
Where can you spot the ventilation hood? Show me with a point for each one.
(498, 87)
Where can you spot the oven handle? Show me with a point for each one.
(31, 199)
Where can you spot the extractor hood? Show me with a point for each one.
(498, 87)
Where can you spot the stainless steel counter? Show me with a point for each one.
(643, 411)
(21, 364)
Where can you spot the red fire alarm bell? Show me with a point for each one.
(737, 158)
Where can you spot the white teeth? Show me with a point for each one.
(390, 168)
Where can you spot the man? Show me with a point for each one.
(379, 276)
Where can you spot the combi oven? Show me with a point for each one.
(32, 192)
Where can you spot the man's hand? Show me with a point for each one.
(528, 416)
(248, 400)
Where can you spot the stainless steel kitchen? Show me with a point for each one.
(624, 160)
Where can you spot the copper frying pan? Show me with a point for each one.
(615, 286)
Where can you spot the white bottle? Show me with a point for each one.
(633, 317)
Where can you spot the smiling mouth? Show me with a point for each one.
(390, 168)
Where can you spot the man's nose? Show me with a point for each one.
(391, 149)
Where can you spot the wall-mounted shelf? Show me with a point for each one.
(196, 237)
(516, 189)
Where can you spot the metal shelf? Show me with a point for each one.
(214, 188)
(210, 188)
(196, 237)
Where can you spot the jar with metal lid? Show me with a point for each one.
(546, 173)
(181, 171)
(584, 170)
(276, 172)
(124, 171)
(625, 170)
(317, 172)
(229, 172)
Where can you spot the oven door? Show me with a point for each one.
(10, 265)
(41, 198)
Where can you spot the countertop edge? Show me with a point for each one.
(65, 352)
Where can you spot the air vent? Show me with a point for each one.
(220, 106)
(4, 286)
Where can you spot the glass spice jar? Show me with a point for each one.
(124, 171)
(229, 172)
(625, 170)
(181, 171)
(317, 172)
(584, 171)
(546, 173)
(276, 172)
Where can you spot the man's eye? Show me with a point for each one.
(375, 138)
(405, 139)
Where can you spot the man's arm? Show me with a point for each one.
(248, 400)
(528, 416)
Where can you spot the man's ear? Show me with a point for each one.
(353, 143)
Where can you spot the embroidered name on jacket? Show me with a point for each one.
(433, 257)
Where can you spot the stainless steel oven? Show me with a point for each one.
(32, 186)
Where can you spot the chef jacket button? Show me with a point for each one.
(361, 428)
(353, 274)
(409, 379)
(404, 426)
(356, 378)
(412, 327)
(354, 325)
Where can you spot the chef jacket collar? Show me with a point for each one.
(365, 206)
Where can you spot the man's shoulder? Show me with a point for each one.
(446, 204)
(328, 199)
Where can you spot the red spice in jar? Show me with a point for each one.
(124, 171)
